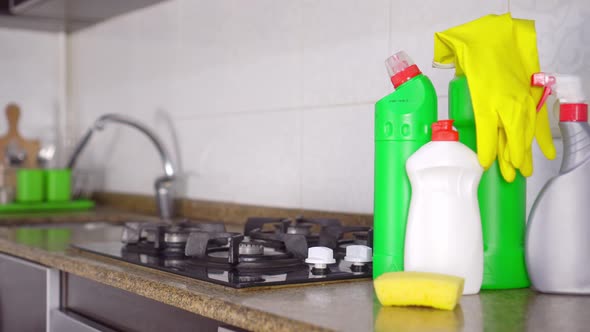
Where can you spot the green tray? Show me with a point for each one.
(80, 204)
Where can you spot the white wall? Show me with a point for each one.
(271, 102)
(32, 75)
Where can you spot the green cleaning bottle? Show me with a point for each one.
(402, 126)
(502, 205)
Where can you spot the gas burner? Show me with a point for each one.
(230, 250)
(163, 238)
(251, 248)
(301, 228)
(173, 236)
(177, 234)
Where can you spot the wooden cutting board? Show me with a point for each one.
(13, 136)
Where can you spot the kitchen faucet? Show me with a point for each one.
(164, 185)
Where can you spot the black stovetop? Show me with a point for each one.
(270, 251)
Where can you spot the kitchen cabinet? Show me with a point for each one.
(125, 311)
(76, 14)
(36, 298)
(23, 295)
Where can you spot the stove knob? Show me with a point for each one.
(358, 254)
(320, 257)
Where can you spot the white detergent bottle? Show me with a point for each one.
(443, 234)
(558, 231)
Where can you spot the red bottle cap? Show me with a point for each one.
(401, 68)
(573, 112)
(405, 75)
(442, 130)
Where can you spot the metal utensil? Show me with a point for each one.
(21, 152)
(45, 155)
(15, 155)
(6, 185)
(6, 195)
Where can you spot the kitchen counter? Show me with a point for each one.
(347, 306)
(100, 213)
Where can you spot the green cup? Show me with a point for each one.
(30, 185)
(59, 185)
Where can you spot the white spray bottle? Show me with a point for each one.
(558, 230)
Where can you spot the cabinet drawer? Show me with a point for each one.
(125, 311)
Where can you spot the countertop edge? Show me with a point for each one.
(126, 278)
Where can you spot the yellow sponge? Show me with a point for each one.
(419, 289)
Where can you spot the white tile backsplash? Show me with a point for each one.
(121, 67)
(249, 158)
(344, 49)
(156, 50)
(271, 102)
(238, 57)
(337, 168)
(30, 64)
(102, 73)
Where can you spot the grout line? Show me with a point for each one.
(62, 107)
(72, 118)
(301, 124)
(268, 111)
(186, 115)
(301, 152)
(302, 53)
(390, 27)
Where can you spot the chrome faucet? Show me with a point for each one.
(164, 185)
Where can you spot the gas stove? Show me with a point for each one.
(270, 251)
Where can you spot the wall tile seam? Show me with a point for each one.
(189, 116)
(300, 114)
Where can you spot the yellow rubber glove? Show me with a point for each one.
(498, 55)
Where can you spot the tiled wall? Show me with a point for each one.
(31, 74)
(271, 102)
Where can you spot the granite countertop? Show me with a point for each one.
(347, 306)
(100, 213)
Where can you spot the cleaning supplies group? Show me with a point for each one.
(495, 107)
(443, 176)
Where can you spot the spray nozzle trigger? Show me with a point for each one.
(544, 80)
